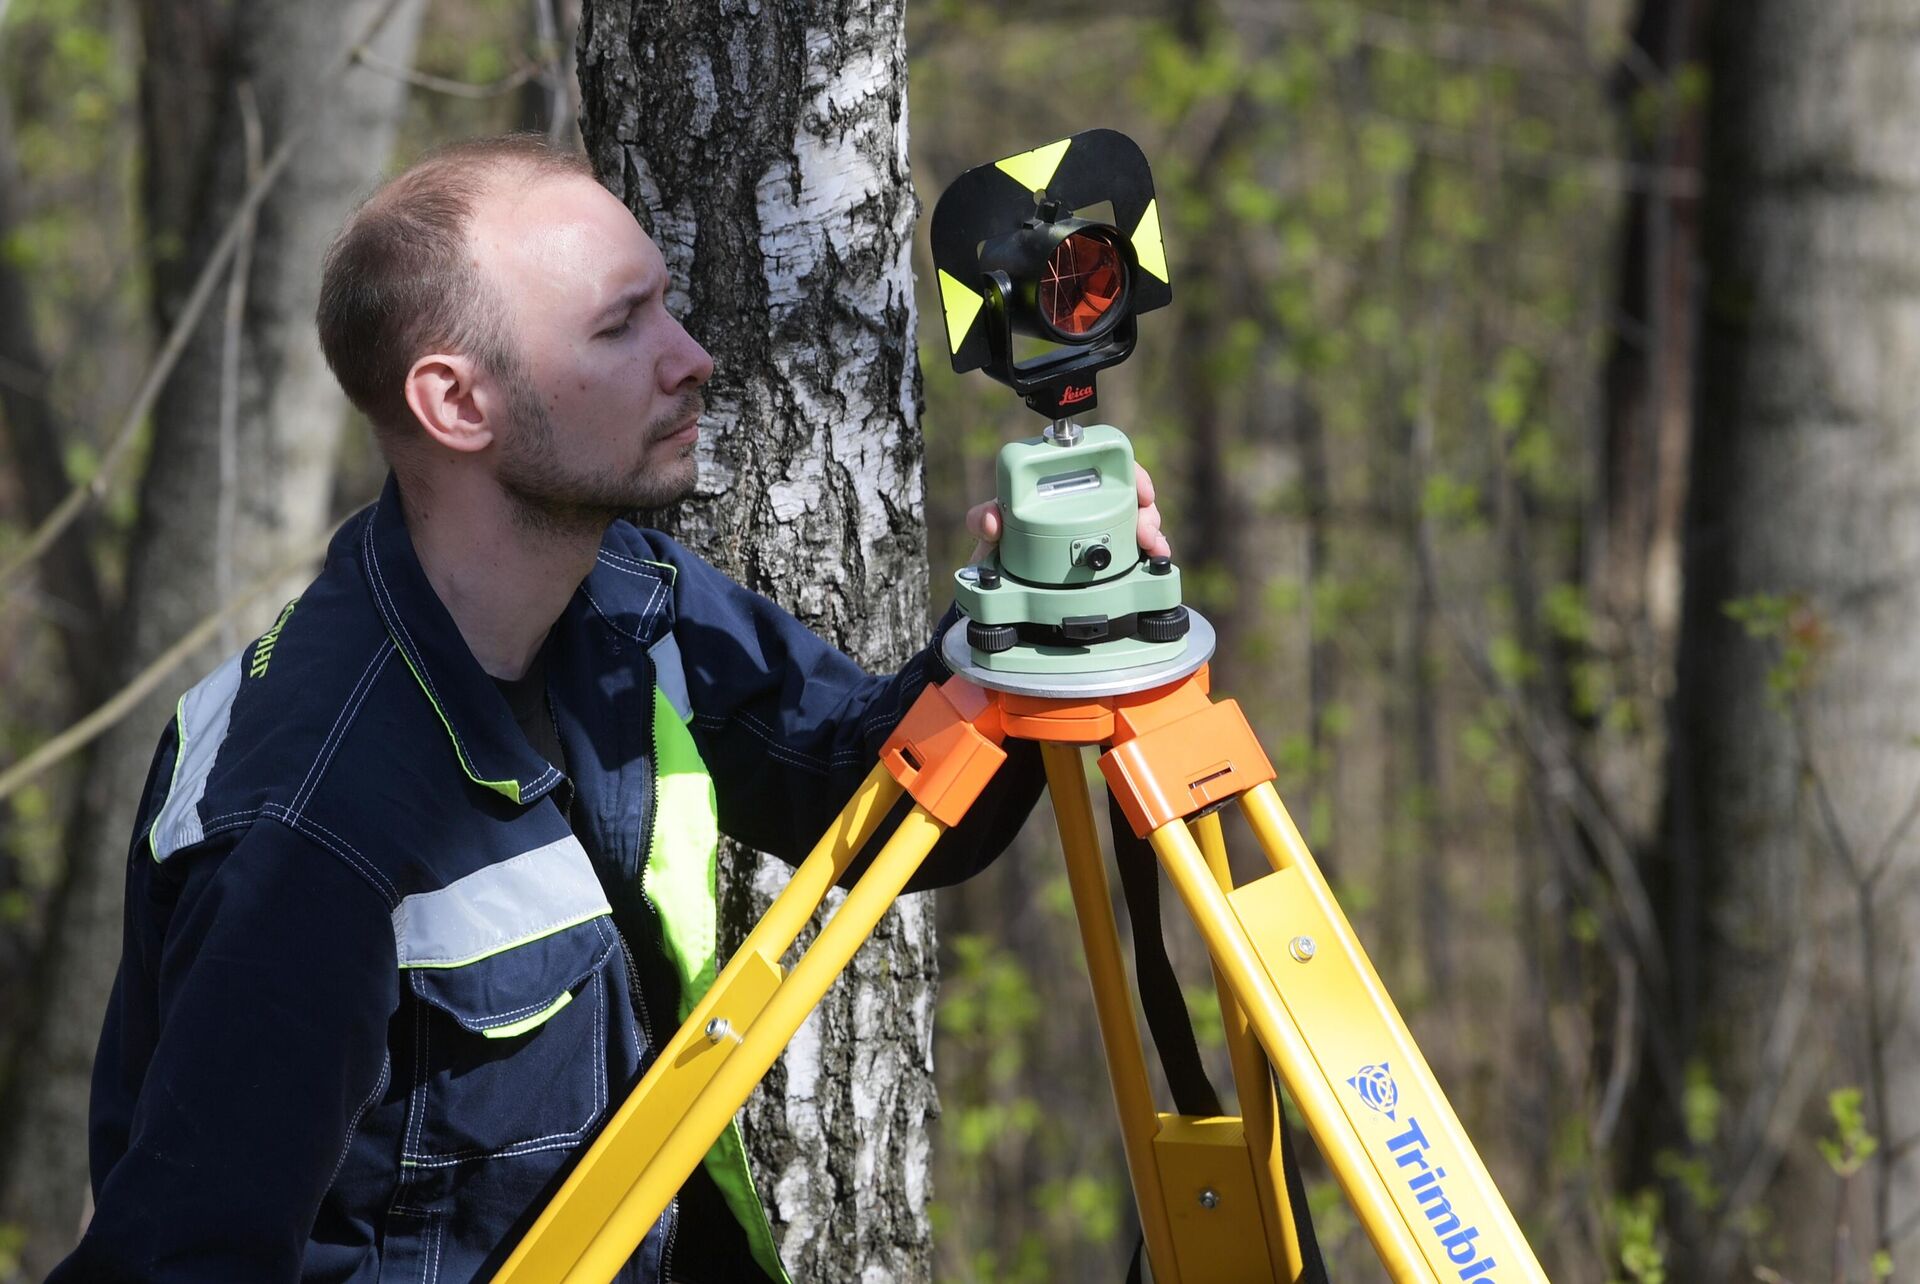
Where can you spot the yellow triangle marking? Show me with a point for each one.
(962, 305)
(1034, 170)
(1146, 242)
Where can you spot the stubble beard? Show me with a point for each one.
(550, 498)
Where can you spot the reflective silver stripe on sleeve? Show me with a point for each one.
(517, 901)
(671, 676)
(201, 726)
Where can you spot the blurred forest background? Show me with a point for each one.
(1535, 420)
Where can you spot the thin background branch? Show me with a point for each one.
(227, 515)
(122, 702)
(453, 88)
(546, 34)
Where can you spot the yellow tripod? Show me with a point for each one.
(1298, 993)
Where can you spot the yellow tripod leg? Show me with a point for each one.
(1247, 977)
(734, 1080)
(1259, 1106)
(575, 1225)
(1112, 1002)
(1326, 1022)
(1421, 1131)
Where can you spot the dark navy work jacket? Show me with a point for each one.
(372, 999)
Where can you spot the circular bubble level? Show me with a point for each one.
(1083, 286)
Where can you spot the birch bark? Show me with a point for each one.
(763, 144)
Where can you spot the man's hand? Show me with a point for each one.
(983, 523)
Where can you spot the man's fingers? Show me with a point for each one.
(1143, 484)
(1147, 530)
(1152, 542)
(983, 521)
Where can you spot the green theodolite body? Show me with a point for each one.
(1068, 552)
(1058, 502)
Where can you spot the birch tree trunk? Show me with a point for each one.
(1796, 859)
(763, 144)
(212, 518)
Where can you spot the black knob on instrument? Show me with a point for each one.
(1163, 626)
(991, 638)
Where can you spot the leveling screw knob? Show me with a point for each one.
(1163, 626)
(991, 638)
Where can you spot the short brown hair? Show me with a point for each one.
(399, 281)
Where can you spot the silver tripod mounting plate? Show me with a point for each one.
(1090, 685)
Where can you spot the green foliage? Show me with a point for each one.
(1511, 662)
(1484, 746)
(1056, 898)
(13, 1239)
(1333, 1220)
(1693, 1174)
(1796, 631)
(988, 999)
(1452, 501)
(1357, 896)
(1637, 1237)
(1700, 1105)
(1851, 1143)
(1203, 1006)
(995, 1116)
(82, 461)
(1092, 1204)
(979, 1128)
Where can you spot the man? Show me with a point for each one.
(425, 873)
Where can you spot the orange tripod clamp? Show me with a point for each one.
(1174, 752)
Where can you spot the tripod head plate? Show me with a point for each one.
(1089, 684)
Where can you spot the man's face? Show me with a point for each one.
(604, 408)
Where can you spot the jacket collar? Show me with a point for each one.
(490, 746)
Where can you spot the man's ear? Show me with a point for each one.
(457, 409)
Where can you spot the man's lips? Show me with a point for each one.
(686, 434)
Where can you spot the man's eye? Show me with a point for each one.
(614, 332)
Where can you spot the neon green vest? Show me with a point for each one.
(680, 880)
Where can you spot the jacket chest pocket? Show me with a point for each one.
(519, 1052)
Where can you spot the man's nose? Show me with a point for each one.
(688, 366)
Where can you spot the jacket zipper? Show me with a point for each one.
(652, 820)
(640, 1009)
(672, 1216)
(633, 988)
(659, 937)
(673, 1230)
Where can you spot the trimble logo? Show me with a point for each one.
(1074, 396)
(1409, 1149)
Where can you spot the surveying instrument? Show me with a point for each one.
(1074, 638)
